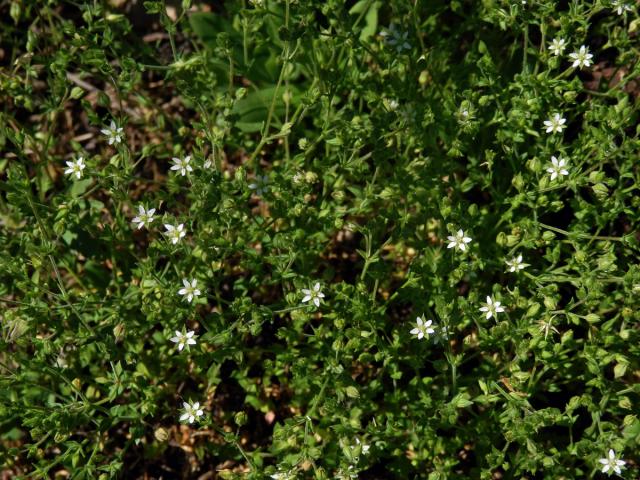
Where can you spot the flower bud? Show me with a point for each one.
(118, 332)
(310, 177)
(161, 434)
(501, 239)
(240, 418)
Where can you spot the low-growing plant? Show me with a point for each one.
(319, 239)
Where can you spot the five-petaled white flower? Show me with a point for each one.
(422, 328)
(184, 339)
(144, 216)
(182, 164)
(515, 264)
(555, 124)
(458, 241)
(75, 167)
(491, 308)
(189, 290)
(191, 412)
(113, 133)
(581, 58)
(620, 7)
(261, 185)
(557, 46)
(394, 37)
(314, 294)
(558, 167)
(612, 463)
(175, 233)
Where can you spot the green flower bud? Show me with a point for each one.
(240, 418)
(119, 332)
(501, 239)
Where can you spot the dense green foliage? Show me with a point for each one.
(333, 147)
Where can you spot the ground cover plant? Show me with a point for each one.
(319, 239)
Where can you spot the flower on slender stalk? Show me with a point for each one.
(620, 7)
(144, 216)
(422, 329)
(184, 339)
(190, 289)
(261, 185)
(581, 58)
(113, 132)
(75, 167)
(515, 264)
(558, 168)
(182, 164)
(557, 46)
(175, 233)
(192, 412)
(395, 38)
(491, 308)
(612, 463)
(313, 294)
(458, 241)
(555, 124)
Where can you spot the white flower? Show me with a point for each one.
(458, 241)
(581, 58)
(175, 233)
(76, 167)
(422, 328)
(261, 185)
(396, 38)
(557, 46)
(491, 308)
(558, 167)
(611, 462)
(620, 7)
(189, 291)
(183, 339)
(144, 216)
(515, 264)
(555, 124)
(113, 133)
(191, 412)
(314, 294)
(182, 164)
